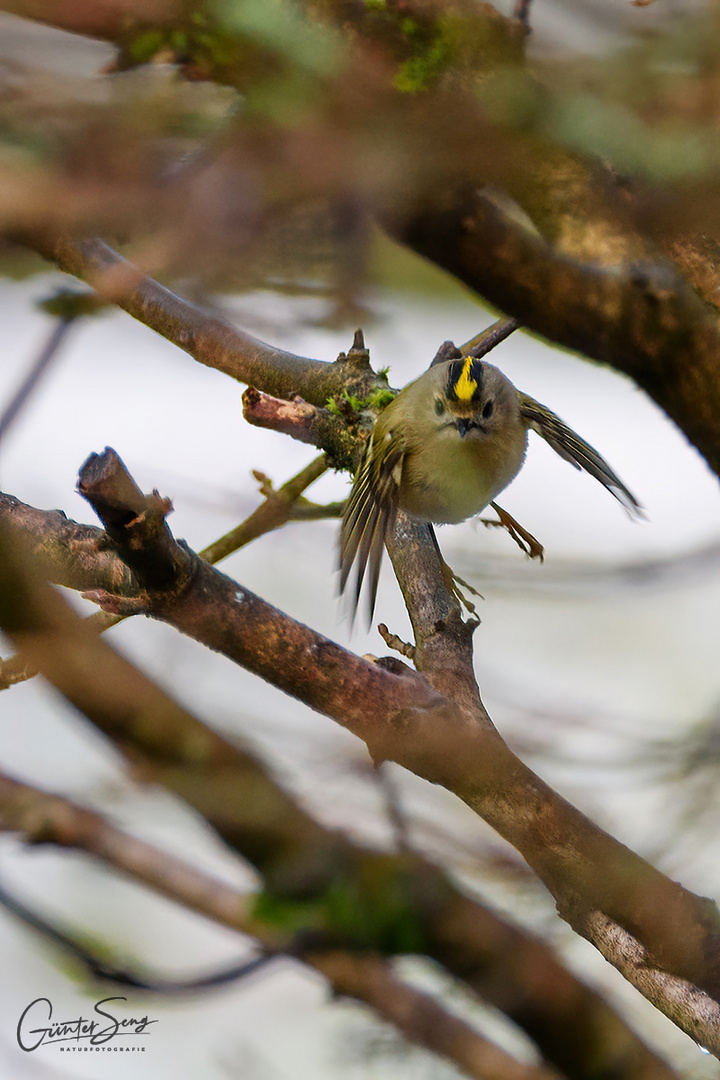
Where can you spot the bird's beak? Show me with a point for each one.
(465, 424)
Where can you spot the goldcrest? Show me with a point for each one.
(443, 449)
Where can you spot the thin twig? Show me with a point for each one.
(35, 374)
(487, 339)
(521, 12)
(275, 511)
(99, 967)
(393, 807)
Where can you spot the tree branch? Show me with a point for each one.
(279, 507)
(207, 338)
(417, 1016)
(299, 858)
(108, 19)
(303, 422)
(77, 556)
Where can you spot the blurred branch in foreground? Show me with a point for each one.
(48, 819)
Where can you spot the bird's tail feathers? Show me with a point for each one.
(369, 515)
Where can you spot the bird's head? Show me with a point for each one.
(476, 398)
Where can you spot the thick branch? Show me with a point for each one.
(208, 338)
(74, 555)
(304, 422)
(101, 18)
(417, 1016)
(696, 1012)
(443, 640)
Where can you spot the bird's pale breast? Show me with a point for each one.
(454, 478)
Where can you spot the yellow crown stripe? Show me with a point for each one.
(465, 387)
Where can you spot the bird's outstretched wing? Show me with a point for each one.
(568, 444)
(370, 514)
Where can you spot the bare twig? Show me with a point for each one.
(47, 818)
(100, 967)
(304, 422)
(394, 642)
(35, 374)
(278, 508)
(417, 1016)
(487, 339)
(521, 12)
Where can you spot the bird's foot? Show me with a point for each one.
(455, 586)
(524, 539)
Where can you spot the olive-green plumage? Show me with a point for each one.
(447, 445)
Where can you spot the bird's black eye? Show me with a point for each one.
(439, 406)
(488, 409)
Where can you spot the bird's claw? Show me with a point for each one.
(455, 585)
(524, 539)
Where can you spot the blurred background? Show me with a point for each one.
(599, 667)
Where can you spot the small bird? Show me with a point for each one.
(443, 449)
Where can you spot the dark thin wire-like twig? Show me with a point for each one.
(393, 807)
(521, 12)
(99, 968)
(33, 377)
